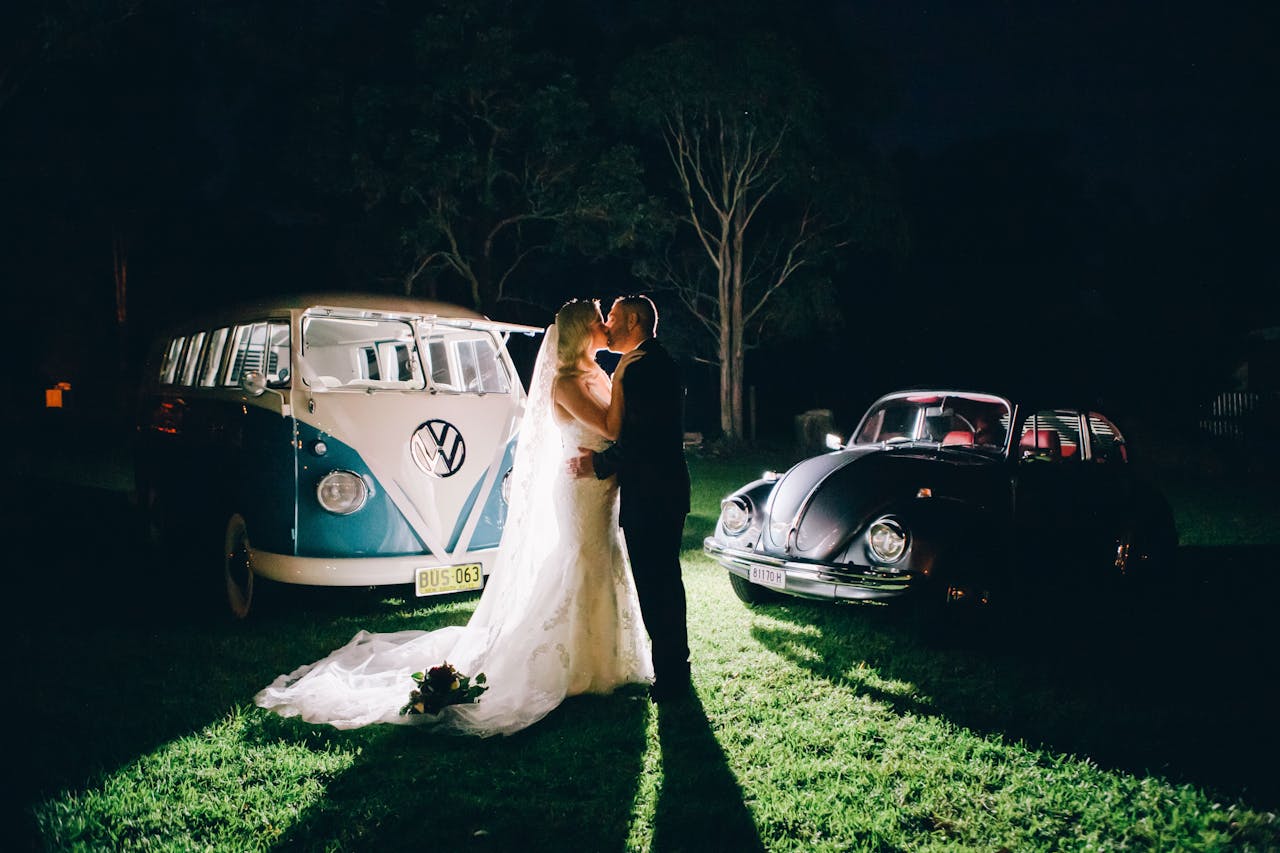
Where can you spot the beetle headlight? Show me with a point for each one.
(735, 516)
(342, 492)
(887, 539)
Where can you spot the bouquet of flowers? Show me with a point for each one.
(443, 685)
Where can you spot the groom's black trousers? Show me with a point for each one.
(653, 544)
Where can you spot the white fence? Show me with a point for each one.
(1245, 417)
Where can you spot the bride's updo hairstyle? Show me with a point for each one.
(573, 324)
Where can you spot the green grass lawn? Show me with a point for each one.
(816, 726)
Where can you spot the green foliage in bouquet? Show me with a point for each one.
(443, 685)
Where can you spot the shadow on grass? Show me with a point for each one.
(115, 658)
(1181, 690)
(568, 782)
(700, 804)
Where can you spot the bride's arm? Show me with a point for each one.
(570, 392)
(617, 399)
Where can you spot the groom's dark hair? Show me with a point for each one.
(646, 312)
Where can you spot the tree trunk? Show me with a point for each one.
(736, 320)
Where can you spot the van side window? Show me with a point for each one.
(193, 359)
(278, 346)
(263, 347)
(170, 364)
(211, 360)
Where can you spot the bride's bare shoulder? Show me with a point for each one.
(567, 383)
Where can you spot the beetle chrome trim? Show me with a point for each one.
(814, 579)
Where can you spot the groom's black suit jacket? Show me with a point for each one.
(648, 457)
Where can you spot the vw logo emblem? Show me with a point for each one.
(438, 449)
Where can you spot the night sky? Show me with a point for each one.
(1120, 157)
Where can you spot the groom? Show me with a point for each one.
(653, 485)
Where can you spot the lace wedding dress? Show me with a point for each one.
(558, 617)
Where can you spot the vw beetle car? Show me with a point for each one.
(951, 498)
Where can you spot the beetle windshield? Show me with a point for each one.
(978, 421)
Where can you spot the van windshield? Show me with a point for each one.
(386, 354)
(464, 361)
(343, 352)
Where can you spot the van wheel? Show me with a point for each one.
(152, 528)
(237, 567)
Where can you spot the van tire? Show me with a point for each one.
(237, 568)
(153, 533)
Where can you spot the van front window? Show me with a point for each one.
(342, 352)
(465, 361)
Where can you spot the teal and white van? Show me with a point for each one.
(333, 440)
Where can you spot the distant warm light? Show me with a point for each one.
(925, 492)
(53, 395)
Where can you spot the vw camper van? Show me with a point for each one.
(333, 441)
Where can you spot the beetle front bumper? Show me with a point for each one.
(828, 581)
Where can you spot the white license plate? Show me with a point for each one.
(775, 578)
(438, 580)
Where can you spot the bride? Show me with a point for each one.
(559, 616)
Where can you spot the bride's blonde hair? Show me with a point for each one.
(573, 323)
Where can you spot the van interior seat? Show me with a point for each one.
(958, 436)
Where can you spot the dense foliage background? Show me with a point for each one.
(156, 157)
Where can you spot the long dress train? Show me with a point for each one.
(559, 615)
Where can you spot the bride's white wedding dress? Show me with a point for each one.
(558, 617)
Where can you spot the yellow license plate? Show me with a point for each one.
(436, 580)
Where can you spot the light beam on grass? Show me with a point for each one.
(207, 788)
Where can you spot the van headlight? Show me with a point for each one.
(887, 539)
(342, 492)
(735, 516)
(505, 488)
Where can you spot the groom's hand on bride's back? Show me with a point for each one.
(582, 465)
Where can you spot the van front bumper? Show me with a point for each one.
(357, 571)
(827, 581)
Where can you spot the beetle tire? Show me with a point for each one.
(750, 593)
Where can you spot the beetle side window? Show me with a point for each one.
(1051, 435)
(1106, 441)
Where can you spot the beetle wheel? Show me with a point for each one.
(237, 567)
(750, 593)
